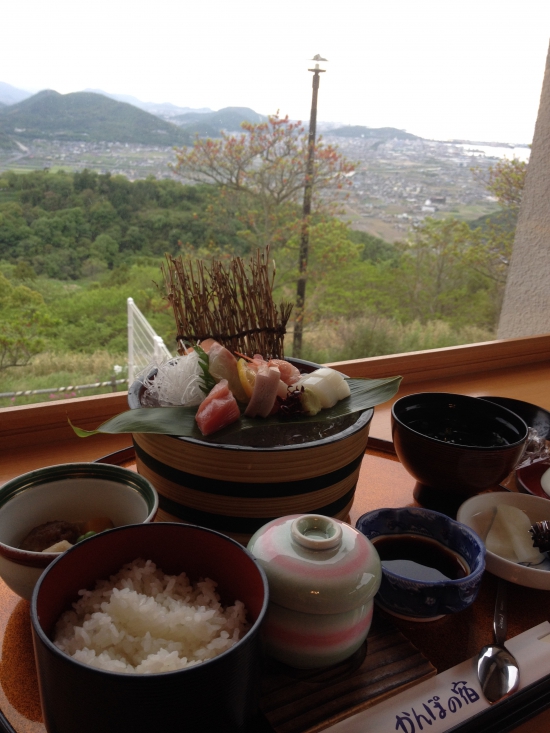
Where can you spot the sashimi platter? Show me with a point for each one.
(230, 374)
(209, 377)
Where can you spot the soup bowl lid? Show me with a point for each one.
(316, 564)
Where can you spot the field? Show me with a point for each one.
(334, 340)
(50, 371)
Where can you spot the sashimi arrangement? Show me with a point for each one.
(211, 389)
(263, 387)
(227, 383)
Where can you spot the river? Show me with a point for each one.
(496, 151)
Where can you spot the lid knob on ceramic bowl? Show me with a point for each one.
(316, 532)
(322, 576)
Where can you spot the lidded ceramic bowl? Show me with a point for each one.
(322, 576)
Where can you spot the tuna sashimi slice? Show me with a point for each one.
(218, 410)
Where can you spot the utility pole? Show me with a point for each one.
(306, 212)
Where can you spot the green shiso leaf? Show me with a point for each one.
(365, 393)
(208, 381)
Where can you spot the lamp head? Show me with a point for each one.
(318, 58)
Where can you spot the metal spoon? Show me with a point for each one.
(497, 669)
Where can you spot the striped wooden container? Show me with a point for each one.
(236, 490)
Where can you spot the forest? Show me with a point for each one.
(75, 245)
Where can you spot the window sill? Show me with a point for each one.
(36, 435)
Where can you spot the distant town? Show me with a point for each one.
(396, 183)
(399, 178)
(400, 182)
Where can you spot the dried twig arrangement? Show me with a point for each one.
(232, 304)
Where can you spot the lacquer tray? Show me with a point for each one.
(399, 653)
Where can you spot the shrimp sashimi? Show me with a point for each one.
(289, 373)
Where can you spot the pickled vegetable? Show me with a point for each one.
(509, 536)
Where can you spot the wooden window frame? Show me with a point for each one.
(47, 424)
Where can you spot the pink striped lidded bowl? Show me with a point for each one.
(323, 576)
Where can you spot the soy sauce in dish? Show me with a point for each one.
(424, 552)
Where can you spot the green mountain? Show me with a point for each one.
(209, 124)
(384, 133)
(89, 117)
(165, 110)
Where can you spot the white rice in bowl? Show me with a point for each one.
(142, 621)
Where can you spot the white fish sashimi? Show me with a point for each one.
(342, 389)
(320, 388)
(327, 384)
(336, 381)
(264, 393)
(223, 365)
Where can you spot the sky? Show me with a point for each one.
(440, 69)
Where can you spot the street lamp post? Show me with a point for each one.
(306, 212)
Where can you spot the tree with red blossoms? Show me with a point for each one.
(261, 174)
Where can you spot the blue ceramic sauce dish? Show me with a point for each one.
(431, 565)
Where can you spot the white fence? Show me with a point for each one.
(113, 383)
(144, 345)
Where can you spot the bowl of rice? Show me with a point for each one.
(150, 627)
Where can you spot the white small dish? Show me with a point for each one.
(478, 512)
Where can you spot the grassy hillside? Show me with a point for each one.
(6, 142)
(86, 116)
(386, 133)
(209, 124)
(505, 219)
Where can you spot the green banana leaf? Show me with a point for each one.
(365, 393)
